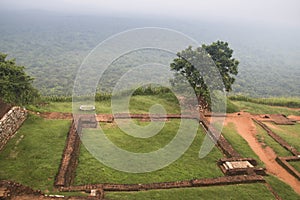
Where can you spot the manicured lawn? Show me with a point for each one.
(239, 144)
(187, 167)
(282, 189)
(233, 192)
(52, 107)
(33, 156)
(296, 165)
(266, 140)
(255, 108)
(138, 104)
(290, 133)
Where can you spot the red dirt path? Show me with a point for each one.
(246, 128)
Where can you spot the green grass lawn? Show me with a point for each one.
(188, 166)
(138, 104)
(231, 107)
(52, 107)
(237, 192)
(296, 165)
(33, 155)
(239, 144)
(282, 189)
(290, 133)
(230, 192)
(255, 108)
(291, 102)
(266, 140)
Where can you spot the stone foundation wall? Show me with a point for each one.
(223, 144)
(283, 161)
(10, 123)
(241, 171)
(278, 139)
(69, 159)
(226, 180)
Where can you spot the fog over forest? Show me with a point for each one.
(52, 39)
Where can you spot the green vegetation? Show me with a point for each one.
(282, 189)
(233, 192)
(33, 156)
(189, 65)
(296, 165)
(138, 104)
(53, 51)
(187, 167)
(51, 107)
(291, 102)
(266, 140)
(255, 108)
(290, 133)
(15, 85)
(231, 107)
(239, 144)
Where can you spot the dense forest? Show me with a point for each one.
(52, 46)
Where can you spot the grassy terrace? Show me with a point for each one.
(33, 156)
(255, 108)
(290, 133)
(282, 189)
(245, 192)
(142, 103)
(266, 140)
(138, 104)
(232, 192)
(290, 102)
(188, 166)
(296, 165)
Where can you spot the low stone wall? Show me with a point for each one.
(155, 116)
(278, 139)
(283, 161)
(10, 190)
(223, 144)
(69, 159)
(241, 171)
(10, 123)
(227, 180)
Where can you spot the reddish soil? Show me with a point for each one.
(246, 128)
(294, 117)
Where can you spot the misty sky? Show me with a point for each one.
(265, 11)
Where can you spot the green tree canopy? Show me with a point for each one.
(220, 53)
(15, 85)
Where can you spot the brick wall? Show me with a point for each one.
(69, 159)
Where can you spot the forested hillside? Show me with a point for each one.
(52, 46)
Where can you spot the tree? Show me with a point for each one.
(220, 53)
(15, 85)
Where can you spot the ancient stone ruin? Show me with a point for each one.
(10, 123)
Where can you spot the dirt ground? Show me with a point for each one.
(294, 117)
(246, 128)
